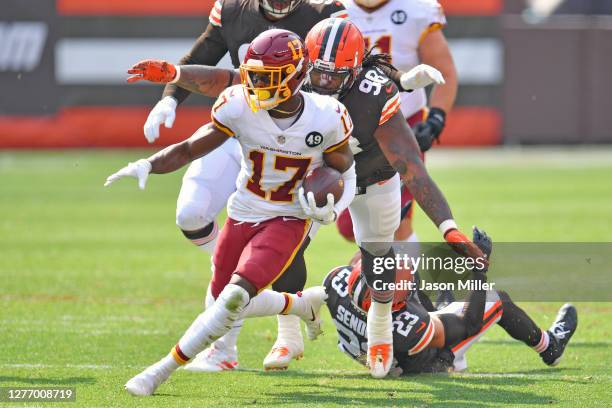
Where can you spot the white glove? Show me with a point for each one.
(323, 215)
(420, 77)
(163, 112)
(139, 170)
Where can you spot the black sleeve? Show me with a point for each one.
(395, 75)
(208, 49)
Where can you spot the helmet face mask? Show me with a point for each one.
(330, 83)
(279, 8)
(274, 69)
(336, 48)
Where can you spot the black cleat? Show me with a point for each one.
(560, 334)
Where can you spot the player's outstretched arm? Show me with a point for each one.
(173, 157)
(401, 150)
(202, 79)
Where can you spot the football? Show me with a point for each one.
(321, 181)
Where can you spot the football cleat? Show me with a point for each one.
(281, 355)
(315, 296)
(380, 359)
(560, 334)
(213, 360)
(146, 382)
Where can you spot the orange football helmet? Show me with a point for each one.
(361, 294)
(336, 50)
(275, 67)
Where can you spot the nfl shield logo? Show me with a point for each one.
(281, 139)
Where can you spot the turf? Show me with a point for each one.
(98, 283)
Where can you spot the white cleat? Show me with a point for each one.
(380, 359)
(213, 360)
(146, 383)
(281, 355)
(316, 297)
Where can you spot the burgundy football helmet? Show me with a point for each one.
(274, 68)
(279, 8)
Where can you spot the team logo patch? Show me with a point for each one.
(281, 139)
(399, 17)
(314, 139)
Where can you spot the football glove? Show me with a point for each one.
(163, 112)
(152, 70)
(464, 247)
(323, 215)
(421, 76)
(430, 130)
(139, 170)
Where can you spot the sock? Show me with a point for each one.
(270, 303)
(213, 323)
(379, 323)
(520, 326)
(205, 238)
(543, 343)
(289, 330)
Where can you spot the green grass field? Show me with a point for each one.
(97, 283)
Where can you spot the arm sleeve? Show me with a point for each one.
(208, 49)
(432, 18)
(391, 104)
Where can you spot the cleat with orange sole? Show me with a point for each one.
(380, 359)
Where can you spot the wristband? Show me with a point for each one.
(447, 225)
(177, 76)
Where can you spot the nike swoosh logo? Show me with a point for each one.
(422, 327)
(389, 88)
(313, 315)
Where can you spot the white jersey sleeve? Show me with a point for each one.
(228, 107)
(343, 128)
(428, 16)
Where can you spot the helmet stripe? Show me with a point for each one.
(333, 39)
(337, 39)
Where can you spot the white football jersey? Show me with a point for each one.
(275, 161)
(397, 28)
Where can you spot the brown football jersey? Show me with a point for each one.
(372, 100)
(233, 24)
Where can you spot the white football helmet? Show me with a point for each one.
(371, 3)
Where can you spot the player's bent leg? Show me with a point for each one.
(222, 355)
(206, 187)
(550, 344)
(206, 328)
(376, 217)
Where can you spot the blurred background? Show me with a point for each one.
(531, 71)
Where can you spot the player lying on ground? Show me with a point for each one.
(438, 341)
(383, 145)
(210, 180)
(266, 223)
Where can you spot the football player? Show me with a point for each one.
(384, 147)
(410, 32)
(438, 341)
(283, 133)
(209, 181)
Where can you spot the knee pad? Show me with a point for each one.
(193, 216)
(234, 298)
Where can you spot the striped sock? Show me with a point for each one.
(204, 238)
(543, 343)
